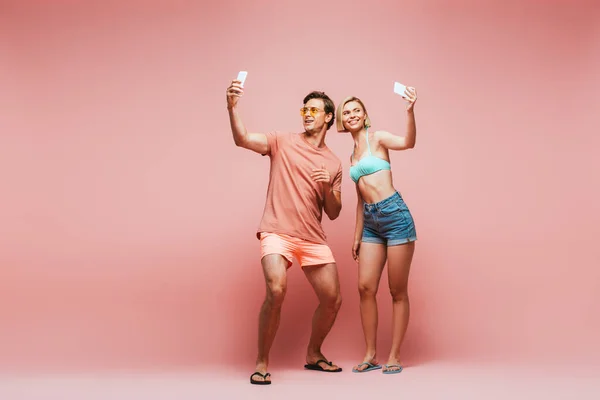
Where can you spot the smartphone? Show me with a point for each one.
(399, 89)
(242, 77)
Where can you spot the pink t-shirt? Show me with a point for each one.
(294, 204)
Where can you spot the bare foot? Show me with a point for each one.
(264, 376)
(367, 362)
(320, 360)
(393, 365)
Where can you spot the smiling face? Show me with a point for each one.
(317, 112)
(314, 116)
(353, 116)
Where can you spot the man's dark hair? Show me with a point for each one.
(329, 106)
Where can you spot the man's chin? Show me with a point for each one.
(311, 129)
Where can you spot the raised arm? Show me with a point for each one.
(256, 142)
(393, 142)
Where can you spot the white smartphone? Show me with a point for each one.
(399, 89)
(242, 77)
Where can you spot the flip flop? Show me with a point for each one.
(394, 371)
(370, 367)
(265, 376)
(317, 367)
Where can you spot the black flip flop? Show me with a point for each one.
(317, 367)
(265, 376)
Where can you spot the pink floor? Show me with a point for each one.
(427, 381)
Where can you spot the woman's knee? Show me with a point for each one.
(367, 289)
(399, 294)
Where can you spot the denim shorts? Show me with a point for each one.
(388, 222)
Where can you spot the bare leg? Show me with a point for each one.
(275, 271)
(370, 266)
(399, 260)
(325, 282)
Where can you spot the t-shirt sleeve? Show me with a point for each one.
(337, 180)
(272, 143)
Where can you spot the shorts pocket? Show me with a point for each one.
(391, 208)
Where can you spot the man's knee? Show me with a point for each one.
(275, 269)
(338, 302)
(276, 291)
(332, 301)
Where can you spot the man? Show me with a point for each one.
(305, 179)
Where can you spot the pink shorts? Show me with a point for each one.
(307, 253)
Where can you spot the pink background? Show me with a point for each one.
(127, 215)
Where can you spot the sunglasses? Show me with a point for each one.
(313, 111)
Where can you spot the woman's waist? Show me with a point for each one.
(372, 194)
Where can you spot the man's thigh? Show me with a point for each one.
(275, 268)
(313, 254)
(324, 279)
(275, 244)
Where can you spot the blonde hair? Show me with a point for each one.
(339, 124)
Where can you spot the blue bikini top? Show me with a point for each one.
(367, 165)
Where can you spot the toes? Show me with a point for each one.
(260, 377)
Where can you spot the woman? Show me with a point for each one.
(384, 226)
